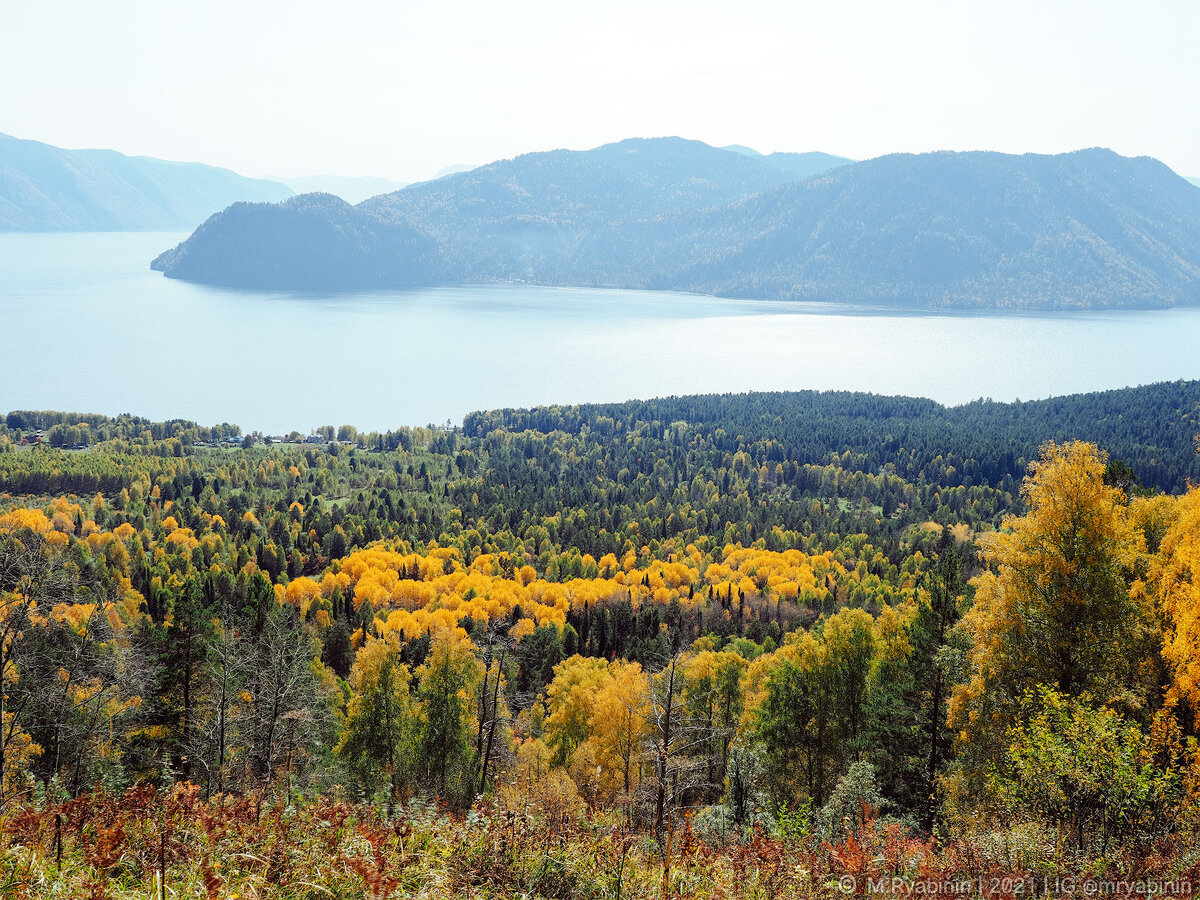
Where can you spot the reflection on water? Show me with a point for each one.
(88, 327)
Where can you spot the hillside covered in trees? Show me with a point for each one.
(1089, 229)
(738, 646)
(536, 206)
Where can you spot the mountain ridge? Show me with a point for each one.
(949, 229)
(48, 188)
(351, 188)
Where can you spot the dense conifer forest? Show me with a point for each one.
(756, 645)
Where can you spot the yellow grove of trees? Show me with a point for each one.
(605, 723)
(416, 594)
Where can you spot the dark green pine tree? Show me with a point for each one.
(907, 706)
(179, 646)
(537, 655)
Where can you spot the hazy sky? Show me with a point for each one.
(400, 89)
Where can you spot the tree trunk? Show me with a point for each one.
(492, 727)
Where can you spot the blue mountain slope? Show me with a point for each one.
(45, 188)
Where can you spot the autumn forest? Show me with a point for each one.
(736, 646)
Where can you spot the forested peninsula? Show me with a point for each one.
(1089, 229)
(737, 646)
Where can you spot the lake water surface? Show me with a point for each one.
(86, 326)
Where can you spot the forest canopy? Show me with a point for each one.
(802, 623)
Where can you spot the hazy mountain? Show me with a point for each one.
(1084, 229)
(565, 189)
(486, 222)
(1195, 181)
(798, 165)
(349, 188)
(45, 188)
(947, 229)
(805, 165)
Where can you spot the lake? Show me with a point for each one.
(87, 327)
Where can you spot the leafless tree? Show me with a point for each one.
(493, 713)
(223, 674)
(282, 718)
(680, 769)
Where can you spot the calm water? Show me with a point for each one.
(86, 326)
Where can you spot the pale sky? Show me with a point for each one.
(401, 89)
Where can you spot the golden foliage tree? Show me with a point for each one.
(1175, 576)
(570, 700)
(1055, 606)
(619, 728)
